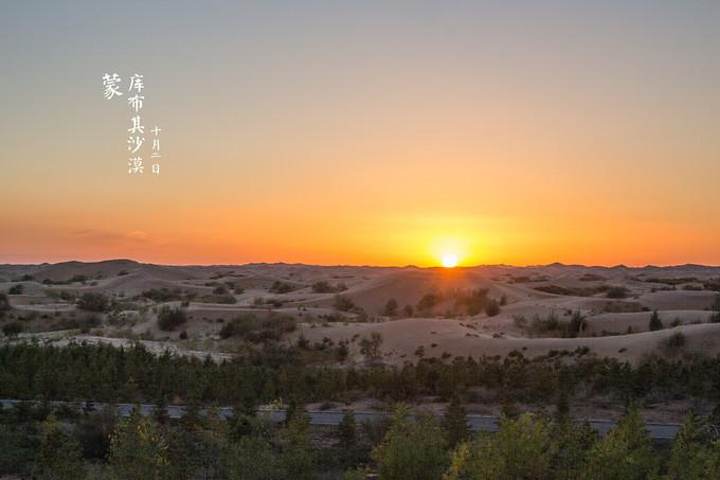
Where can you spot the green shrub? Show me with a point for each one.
(93, 302)
(171, 318)
(343, 303)
(617, 292)
(655, 323)
(492, 308)
(325, 287)
(12, 329)
(281, 287)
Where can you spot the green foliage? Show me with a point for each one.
(624, 454)
(617, 292)
(347, 430)
(19, 443)
(521, 449)
(391, 308)
(370, 347)
(138, 450)
(455, 423)
(343, 303)
(12, 329)
(694, 456)
(169, 318)
(297, 455)
(655, 323)
(492, 308)
(4, 305)
(281, 287)
(412, 449)
(59, 456)
(572, 445)
(93, 302)
(162, 295)
(325, 287)
(251, 458)
(428, 302)
(552, 325)
(84, 323)
(255, 330)
(16, 289)
(675, 342)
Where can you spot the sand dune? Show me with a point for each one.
(616, 327)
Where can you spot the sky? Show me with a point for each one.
(364, 132)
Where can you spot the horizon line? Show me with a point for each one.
(339, 265)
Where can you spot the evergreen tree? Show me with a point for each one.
(347, 430)
(297, 456)
(572, 445)
(455, 423)
(160, 413)
(521, 449)
(655, 322)
(625, 453)
(251, 458)
(391, 308)
(412, 449)
(693, 456)
(60, 455)
(138, 450)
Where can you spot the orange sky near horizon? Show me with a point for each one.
(380, 133)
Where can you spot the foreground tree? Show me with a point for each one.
(521, 449)
(412, 449)
(624, 454)
(251, 458)
(297, 455)
(455, 423)
(572, 445)
(347, 430)
(60, 455)
(693, 456)
(138, 450)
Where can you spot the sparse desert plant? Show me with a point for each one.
(492, 308)
(12, 329)
(343, 303)
(171, 318)
(4, 305)
(674, 342)
(16, 289)
(93, 302)
(161, 295)
(520, 321)
(324, 286)
(281, 287)
(617, 292)
(370, 347)
(391, 308)
(427, 302)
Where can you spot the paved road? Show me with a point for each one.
(658, 431)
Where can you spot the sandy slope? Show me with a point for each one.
(371, 287)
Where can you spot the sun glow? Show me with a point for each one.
(449, 260)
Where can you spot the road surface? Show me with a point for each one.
(658, 431)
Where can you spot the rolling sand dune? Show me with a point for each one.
(402, 338)
(615, 327)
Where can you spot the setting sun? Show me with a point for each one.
(449, 261)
